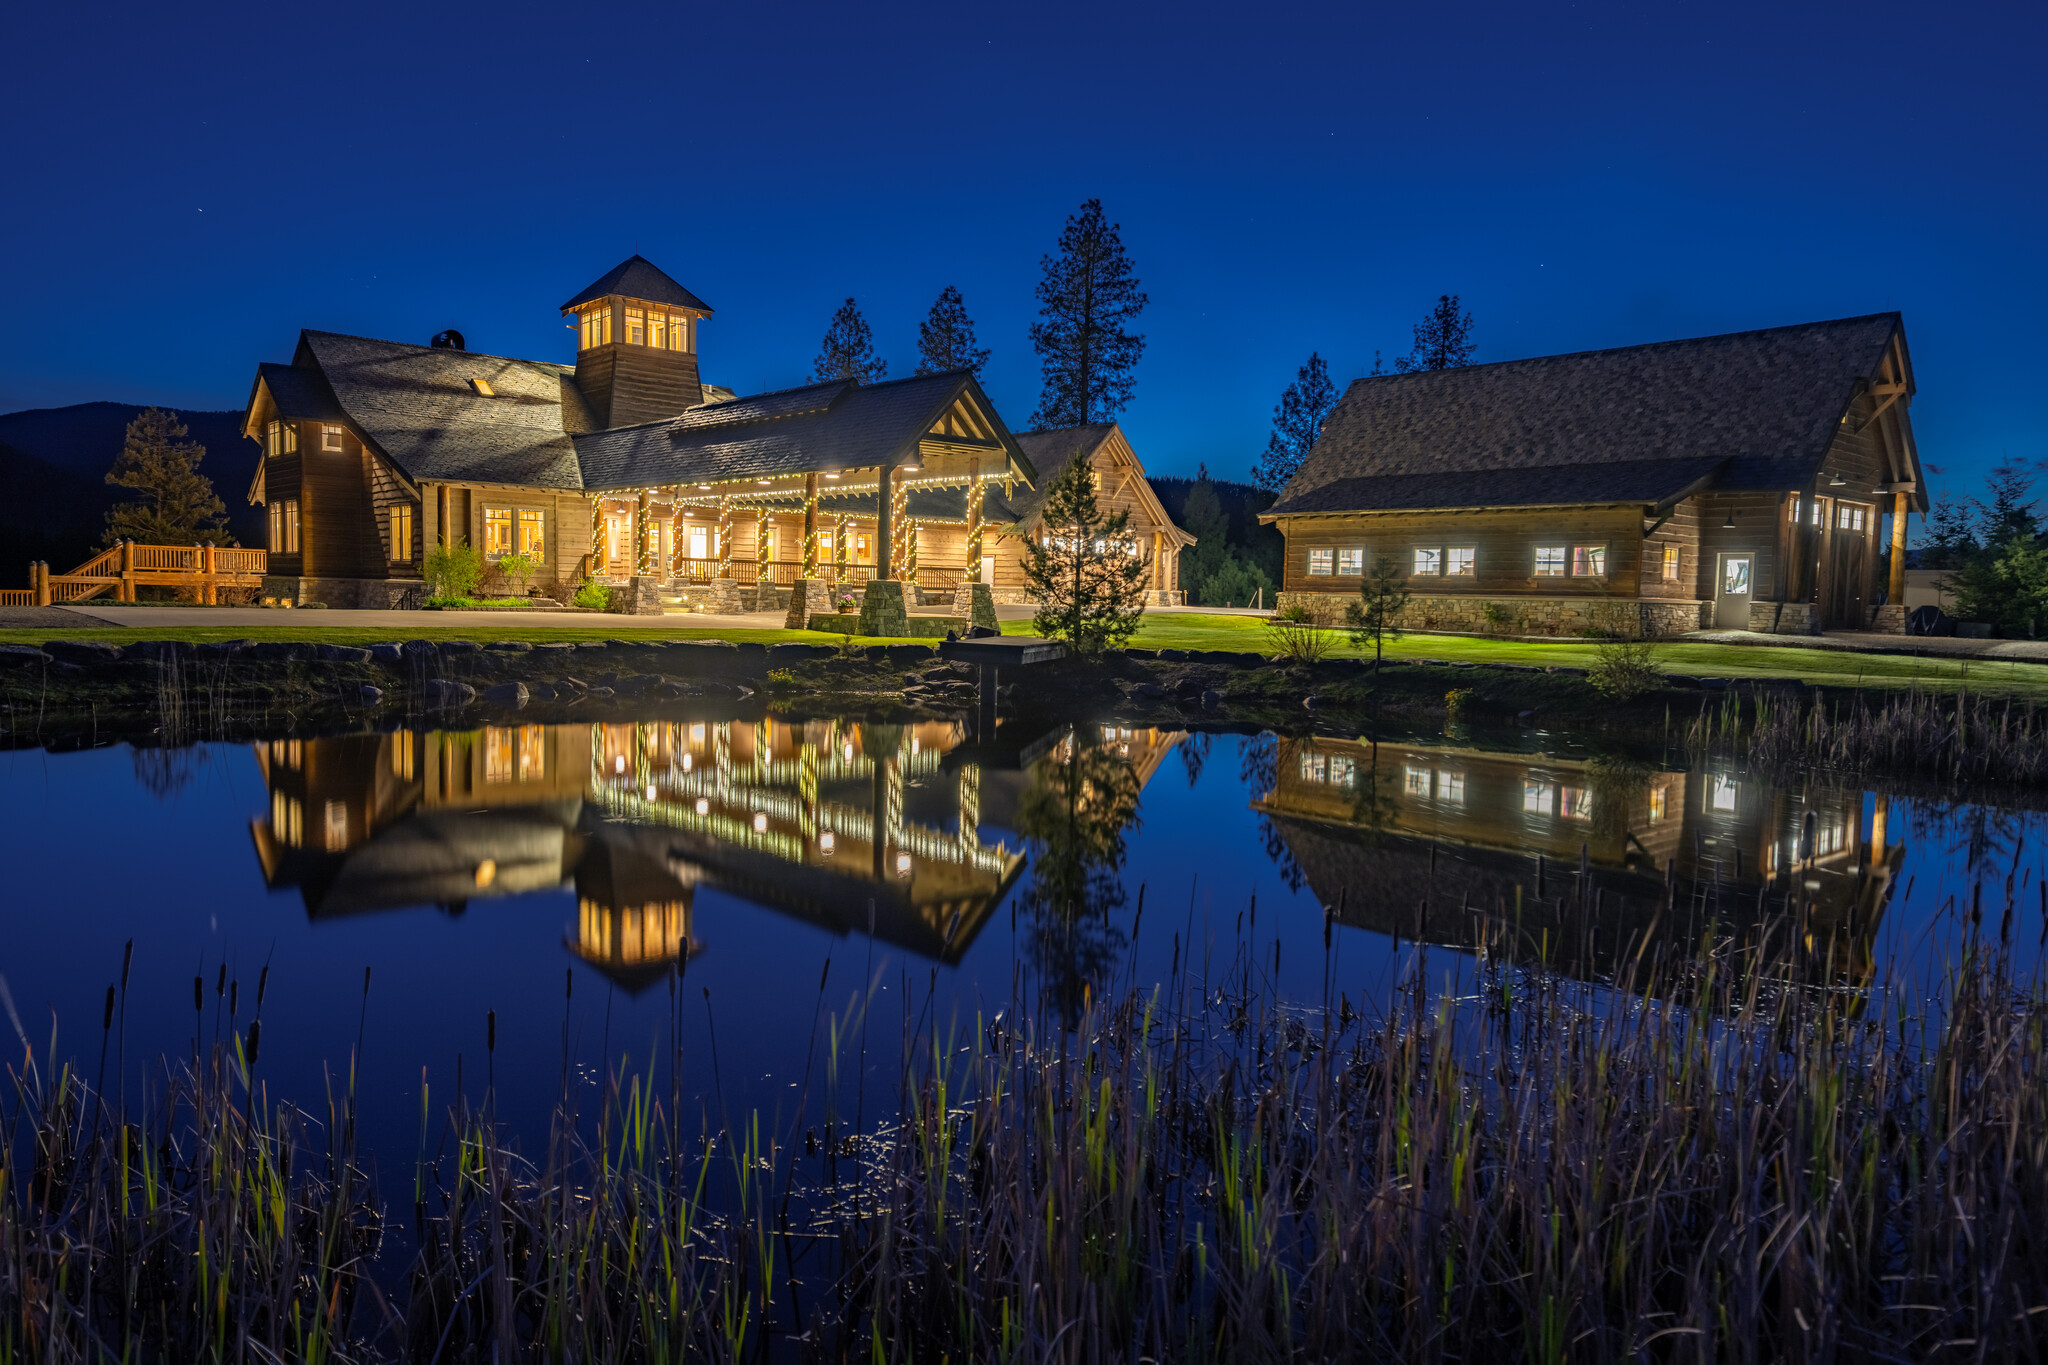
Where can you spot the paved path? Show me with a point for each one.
(1865, 642)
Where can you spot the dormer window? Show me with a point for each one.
(330, 437)
(281, 438)
(483, 388)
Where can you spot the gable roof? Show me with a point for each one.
(636, 277)
(837, 425)
(1050, 450)
(418, 406)
(1760, 408)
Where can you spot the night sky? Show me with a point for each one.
(185, 190)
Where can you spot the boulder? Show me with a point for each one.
(1146, 691)
(508, 647)
(342, 654)
(460, 647)
(82, 651)
(223, 649)
(782, 655)
(387, 653)
(512, 694)
(449, 695)
(1212, 700)
(21, 656)
(1174, 656)
(282, 651)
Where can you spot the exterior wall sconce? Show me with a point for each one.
(1729, 524)
(1838, 482)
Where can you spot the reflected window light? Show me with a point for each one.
(1416, 781)
(650, 791)
(760, 822)
(826, 842)
(913, 745)
(703, 806)
(686, 763)
(1109, 732)
(1450, 788)
(1537, 797)
(697, 733)
(619, 764)
(903, 864)
(1721, 793)
(1577, 803)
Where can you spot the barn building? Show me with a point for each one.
(1749, 481)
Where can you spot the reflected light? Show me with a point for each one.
(650, 791)
(703, 806)
(826, 842)
(760, 822)
(903, 864)
(486, 872)
(849, 751)
(686, 763)
(619, 764)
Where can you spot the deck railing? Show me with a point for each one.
(124, 567)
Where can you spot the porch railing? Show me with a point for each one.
(127, 566)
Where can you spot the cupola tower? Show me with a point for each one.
(636, 344)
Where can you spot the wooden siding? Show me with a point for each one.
(1505, 543)
(338, 531)
(1682, 531)
(627, 384)
(386, 493)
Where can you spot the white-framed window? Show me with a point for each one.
(1848, 517)
(530, 533)
(679, 334)
(1343, 772)
(1315, 767)
(1550, 561)
(1721, 793)
(1575, 803)
(1428, 561)
(1660, 802)
(1670, 563)
(497, 532)
(1322, 563)
(657, 331)
(1792, 508)
(1589, 561)
(330, 436)
(1450, 788)
(636, 327)
(1461, 561)
(1351, 563)
(281, 438)
(1415, 780)
(1538, 798)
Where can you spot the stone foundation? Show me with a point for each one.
(807, 596)
(378, 594)
(1889, 619)
(1797, 618)
(642, 597)
(1542, 616)
(1165, 597)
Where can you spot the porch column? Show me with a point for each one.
(676, 543)
(974, 499)
(441, 507)
(1895, 588)
(841, 533)
(600, 552)
(810, 566)
(761, 571)
(910, 549)
(1158, 562)
(724, 537)
(884, 493)
(641, 553)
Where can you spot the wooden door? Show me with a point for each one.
(1845, 566)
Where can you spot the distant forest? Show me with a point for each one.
(53, 491)
(1234, 559)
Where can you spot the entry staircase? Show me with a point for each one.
(127, 566)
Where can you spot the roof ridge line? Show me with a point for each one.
(386, 341)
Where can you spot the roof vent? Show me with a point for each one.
(450, 340)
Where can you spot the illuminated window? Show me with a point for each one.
(1550, 561)
(497, 531)
(657, 331)
(1660, 802)
(284, 527)
(1670, 564)
(1429, 561)
(401, 534)
(531, 542)
(1460, 561)
(1351, 562)
(636, 327)
(1575, 803)
(1721, 793)
(286, 817)
(597, 326)
(533, 753)
(1848, 517)
(1343, 771)
(337, 826)
(1816, 517)
(330, 437)
(1322, 563)
(404, 749)
(1589, 561)
(1315, 768)
(1450, 788)
(1792, 508)
(501, 752)
(1415, 781)
(679, 334)
(1537, 797)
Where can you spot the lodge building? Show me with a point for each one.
(626, 467)
(1744, 481)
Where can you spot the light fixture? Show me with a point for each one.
(703, 485)
(831, 473)
(910, 466)
(761, 481)
(1838, 482)
(1881, 487)
(1729, 524)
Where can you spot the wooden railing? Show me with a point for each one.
(127, 566)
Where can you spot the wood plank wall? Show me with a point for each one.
(386, 492)
(1506, 543)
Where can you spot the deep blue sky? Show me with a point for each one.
(186, 188)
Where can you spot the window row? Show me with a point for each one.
(282, 438)
(1462, 561)
(514, 530)
(642, 327)
(284, 527)
(1433, 785)
(1849, 516)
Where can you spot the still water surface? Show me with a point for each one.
(679, 888)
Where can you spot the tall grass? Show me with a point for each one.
(1728, 1167)
(1956, 737)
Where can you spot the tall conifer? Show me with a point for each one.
(945, 339)
(1087, 301)
(1443, 339)
(848, 351)
(1297, 421)
(177, 504)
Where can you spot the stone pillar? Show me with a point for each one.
(884, 493)
(762, 573)
(974, 501)
(724, 537)
(810, 565)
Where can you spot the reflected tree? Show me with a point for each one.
(1258, 764)
(1194, 753)
(1082, 801)
(164, 772)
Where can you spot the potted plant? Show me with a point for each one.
(845, 603)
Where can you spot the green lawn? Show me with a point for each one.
(1838, 668)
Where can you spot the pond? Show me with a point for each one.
(779, 908)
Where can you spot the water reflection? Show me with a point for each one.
(842, 824)
(1583, 862)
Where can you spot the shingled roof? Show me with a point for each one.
(636, 277)
(1757, 409)
(420, 407)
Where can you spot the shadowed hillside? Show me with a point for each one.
(1242, 502)
(53, 465)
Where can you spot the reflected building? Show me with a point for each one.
(844, 825)
(1464, 846)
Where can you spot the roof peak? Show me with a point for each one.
(636, 277)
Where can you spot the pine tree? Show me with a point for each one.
(1087, 301)
(1084, 568)
(1297, 422)
(1443, 340)
(945, 339)
(177, 505)
(848, 351)
(2010, 513)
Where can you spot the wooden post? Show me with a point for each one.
(1158, 560)
(1895, 588)
(441, 506)
(209, 594)
(762, 573)
(126, 592)
(810, 566)
(676, 544)
(885, 491)
(841, 551)
(724, 536)
(974, 501)
(39, 576)
(600, 553)
(899, 514)
(640, 550)
(910, 549)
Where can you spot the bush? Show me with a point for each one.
(1457, 699)
(518, 570)
(1300, 635)
(454, 570)
(560, 590)
(1624, 669)
(594, 595)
